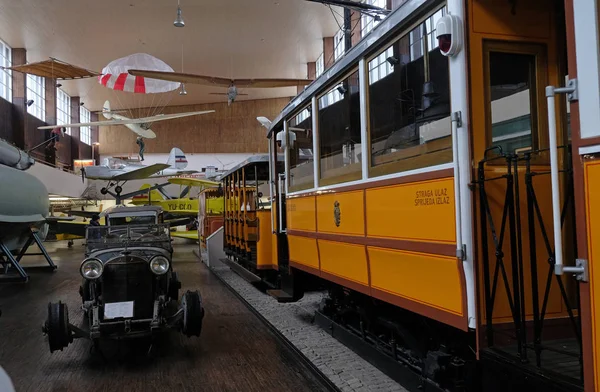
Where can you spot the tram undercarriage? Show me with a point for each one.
(440, 356)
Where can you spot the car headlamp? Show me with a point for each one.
(159, 265)
(91, 269)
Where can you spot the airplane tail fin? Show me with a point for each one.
(106, 110)
(155, 197)
(177, 159)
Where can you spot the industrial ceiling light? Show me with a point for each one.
(179, 20)
(30, 102)
(58, 85)
(182, 89)
(82, 103)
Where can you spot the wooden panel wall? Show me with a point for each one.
(6, 120)
(231, 129)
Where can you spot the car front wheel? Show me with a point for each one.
(56, 326)
(193, 313)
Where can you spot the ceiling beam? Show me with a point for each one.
(353, 5)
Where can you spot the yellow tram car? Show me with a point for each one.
(442, 180)
(250, 242)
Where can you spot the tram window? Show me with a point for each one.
(301, 153)
(512, 95)
(339, 132)
(409, 108)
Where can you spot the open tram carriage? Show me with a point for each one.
(441, 179)
(252, 240)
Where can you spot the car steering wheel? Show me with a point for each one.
(134, 235)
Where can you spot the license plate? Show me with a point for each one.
(118, 309)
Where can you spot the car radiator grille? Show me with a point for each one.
(129, 281)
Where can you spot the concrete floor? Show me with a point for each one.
(235, 352)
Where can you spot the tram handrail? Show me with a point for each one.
(456, 119)
(271, 185)
(558, 249)
(559, 269)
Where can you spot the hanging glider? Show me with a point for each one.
(231, 84)
(140, 126)
(54, 69)
(216, 81)
(115, 76)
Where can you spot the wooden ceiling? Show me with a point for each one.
(238, 39)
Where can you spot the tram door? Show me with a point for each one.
(526, 312)
(279, 225)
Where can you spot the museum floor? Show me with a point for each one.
(236, 351)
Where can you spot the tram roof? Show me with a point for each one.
(253, 159)
(396, 20)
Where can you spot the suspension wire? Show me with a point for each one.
(335, 46)
(334, 18)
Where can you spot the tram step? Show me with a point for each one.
(280, 295)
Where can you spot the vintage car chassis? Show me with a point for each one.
(129, 322)
(60, 332)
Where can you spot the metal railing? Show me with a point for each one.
(518, 292)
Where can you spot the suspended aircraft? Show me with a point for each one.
(117, 80)
(140, 126)
(117, 171)
(231, 84)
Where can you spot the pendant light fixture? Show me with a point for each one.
(179, 20)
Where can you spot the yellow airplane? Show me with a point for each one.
(73, 230)
(187, 206)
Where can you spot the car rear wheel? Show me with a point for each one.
(193, 313)
(57, 326)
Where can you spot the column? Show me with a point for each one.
(355, 27)
(311, 70)
(328, 52)
(63, 152)
(50, 91)
(19, 94)
(95, 139)
(75, 132)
